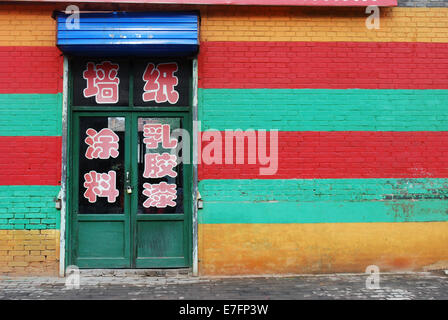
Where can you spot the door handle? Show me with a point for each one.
(128, 187)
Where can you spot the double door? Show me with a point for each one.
(131, 190)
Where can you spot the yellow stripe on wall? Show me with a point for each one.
(323, 24)
(27, 25)
(29, 252)
(32, 25)
(232, 249)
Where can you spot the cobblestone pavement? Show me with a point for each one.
(137, 287)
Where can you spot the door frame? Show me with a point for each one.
(187, 176)
(65, 195)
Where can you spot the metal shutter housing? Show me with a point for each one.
(129, 34)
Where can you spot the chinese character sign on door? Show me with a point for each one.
(160, 173)
(102, 82)
(162, 83)
(106, 82)
(101, 145)
(159, 165)
(101, 164)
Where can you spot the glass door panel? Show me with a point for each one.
(160, 175)
(101, 205)
(162, 236)
(101, 165)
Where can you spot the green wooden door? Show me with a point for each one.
(100, 214)
(131, 191)
(161, 205)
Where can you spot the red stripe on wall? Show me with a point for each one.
(356, 154)
(30, 70)
(324, 65)
(30, 160)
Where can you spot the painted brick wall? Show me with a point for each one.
(29, 252)
(27, 25)
(30, 69)
(327, 65)
(30, 140)
(30, 160)
(323, 110)
(30, 114)
(322, 24)
(362, 139)
(255, 201)
(329, 190)
(28, 207)
(273, 225)
(345, 154)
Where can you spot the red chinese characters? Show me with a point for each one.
(160, 83)
(100, 185)
(160, 195)
(155, 133)
(102, 144)
(158, 166)
(102, 82)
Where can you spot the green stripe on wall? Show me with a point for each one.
(324, 109)
(323, 200)
(30, 114)
(29, 207)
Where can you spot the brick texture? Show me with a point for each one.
(25, 161)
(27, 25)
(29, 252)
(28, 207)
(312, 190)
(30, 160)
(362, 154)
(30, 114)
(323, 110)
(30, 70)
(328, 65)
(32, 25)
(322, 200)
(323, 24)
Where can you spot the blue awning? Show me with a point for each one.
(129, 34)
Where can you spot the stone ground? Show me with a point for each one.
(406, 286)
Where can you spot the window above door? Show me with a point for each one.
(131, 83)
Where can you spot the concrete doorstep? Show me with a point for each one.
(184, 272)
